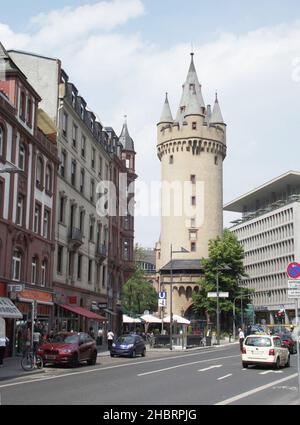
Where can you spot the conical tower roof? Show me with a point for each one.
(125, 138)
(193, 107)
(166, 115)
(217, 117)
(191, 84)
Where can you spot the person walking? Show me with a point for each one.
(110, 338)
(241, 338)
(3, 341)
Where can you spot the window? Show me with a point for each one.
(79, 263)
(193, 179)
(93, 157)
(65, 124)
(81, 221)
(2, 185)
(48, 179)
(33, 270)
(39, 172)
(73, 99)
(92, 190)
(103, 276)
(83, 144)
(193, 246)
(90, 271)
(193, 200)
(193, 222)
(171, 159)
(21, 157)
(1, 141)
(73, 173)
(194, 125)
(63, 164)
(37, 219)
(70, 270)
(100, 165)
(60, 252)
(74, 135)
(216, 160)
(91, 233)
(46, 225)
(62, 209)
(126, 250)
(29, 112)
(16, 265)
(82, 111)
(92, 124)
(20, 210)
(193, 236)
(82, 180)
(22, 105)
(43, 273)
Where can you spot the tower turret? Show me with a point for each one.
(166, 115)
(217, 117)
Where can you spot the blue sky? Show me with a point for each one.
(123, 55)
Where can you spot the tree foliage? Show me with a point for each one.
(225, 259)
(139, 294)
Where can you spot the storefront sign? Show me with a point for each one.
(36, 295)
(15, 287)
(8, 310)
(73, 300)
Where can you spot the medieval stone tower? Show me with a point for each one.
(191, 149)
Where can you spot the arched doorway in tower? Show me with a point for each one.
(198, 320)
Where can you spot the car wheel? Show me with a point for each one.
(133, 354)
(144, 352)
(245, 365)
(75, 362)
(277, 364)
(288, 363)
(93, 360)
(112, 355)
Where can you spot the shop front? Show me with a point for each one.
(9, 313)
(73, 318)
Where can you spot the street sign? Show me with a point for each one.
(221, 295)
(294, 284)
(162, 302)
(162, 295)
(15, 287)
(294, 293)
(293, 270)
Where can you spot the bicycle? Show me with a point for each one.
(31, 361)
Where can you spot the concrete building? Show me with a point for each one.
(88, 156)
(269, 230)
(191, 149)
(27, 199)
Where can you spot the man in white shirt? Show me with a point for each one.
(241, 338)
(3, 342)
(110, 338)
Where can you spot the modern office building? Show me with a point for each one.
(269, 230)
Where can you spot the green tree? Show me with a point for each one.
(139, 294)
(225, 258)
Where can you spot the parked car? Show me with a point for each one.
(71, 348)
(289, 342)
(128, 345)
(265, 350)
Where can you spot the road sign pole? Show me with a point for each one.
(298, 345)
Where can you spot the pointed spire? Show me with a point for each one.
(125, 138)
(166, 115)
(217, 117)
(191, 84)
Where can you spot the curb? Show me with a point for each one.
(21, 375)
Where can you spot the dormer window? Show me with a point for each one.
(73, 99)
(82, 111)
(92, 124)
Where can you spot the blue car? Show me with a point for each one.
(128, 345)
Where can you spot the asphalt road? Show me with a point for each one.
(206, 377)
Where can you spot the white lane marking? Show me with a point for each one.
(226, 376)
(270, 371)
(210, 367)
(99, 369)
(255, 390)
(185, 364)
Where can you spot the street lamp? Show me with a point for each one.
(171, 293)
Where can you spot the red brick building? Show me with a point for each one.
(27, 199)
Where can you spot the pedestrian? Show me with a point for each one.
(92, 333)
(110, 338)
(3, 342)
(241, 338)
(36, 338)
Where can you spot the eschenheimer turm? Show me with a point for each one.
(191, 149)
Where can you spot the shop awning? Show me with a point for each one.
(8, 310)
(83, 312)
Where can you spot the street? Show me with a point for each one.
(203, 377)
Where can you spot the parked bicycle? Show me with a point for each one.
(31, 361)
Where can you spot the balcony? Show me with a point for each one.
(101, 252)
(75, 238)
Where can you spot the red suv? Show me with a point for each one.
(69, 348)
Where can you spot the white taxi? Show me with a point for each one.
(264, 350)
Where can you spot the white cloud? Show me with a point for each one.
(120, 73)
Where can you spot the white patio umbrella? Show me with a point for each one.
(178, 319)
(128, 319)
(148, 318)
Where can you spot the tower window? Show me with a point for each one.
(193, 246)
(193, 236)
(216, 160)
(171, 159)
(193, 222)
(194, 125)
(193, 199)
(193, 178)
